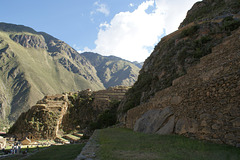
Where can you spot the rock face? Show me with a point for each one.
(153, 120)
(211, 9)
(30, 41)
(204, 103)
(54, 115)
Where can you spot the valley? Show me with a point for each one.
(183, 102)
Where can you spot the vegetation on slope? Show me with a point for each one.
(209, 9)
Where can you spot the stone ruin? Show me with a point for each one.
(204, 103)
(45, 119)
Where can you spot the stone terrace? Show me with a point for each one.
(205, 102)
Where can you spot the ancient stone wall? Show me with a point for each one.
(112, 93)
(204, 103)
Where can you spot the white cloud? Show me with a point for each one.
(102, 8)
(105, 24)
(174, 12)
(129, 35)
(86, 49)
(131, 5)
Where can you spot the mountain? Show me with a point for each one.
(206, 25)
(138, 64)
(34, 64)
(113, 70)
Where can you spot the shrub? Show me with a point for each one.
(189, 31)
(230, 24)
(134, 93)
(107, 118)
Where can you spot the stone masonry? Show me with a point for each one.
(204, 103)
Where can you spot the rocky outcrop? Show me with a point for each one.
(28, 41)
(203, 104)
(211, 9)
(153, 121)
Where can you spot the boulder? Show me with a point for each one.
(168, 127)
(181, 126)
(153, 120)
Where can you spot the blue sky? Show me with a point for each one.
(125, 28)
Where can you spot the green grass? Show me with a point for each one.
(63, 152)
(121, 144)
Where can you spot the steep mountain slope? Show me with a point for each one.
(113, 70)
(35, 64)
(207, 24)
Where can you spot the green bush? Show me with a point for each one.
(134, 93)
(189, 31)
(230, 24)
(107, 118)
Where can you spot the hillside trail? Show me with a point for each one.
(89, 150)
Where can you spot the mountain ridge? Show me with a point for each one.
(109, 66)
(34, 64)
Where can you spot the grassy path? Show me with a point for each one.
(63, 152)
(124, 144)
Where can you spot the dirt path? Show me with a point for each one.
(90, 149)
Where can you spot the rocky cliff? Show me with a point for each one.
(34, 64)
(54, 115)
(190, 83)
